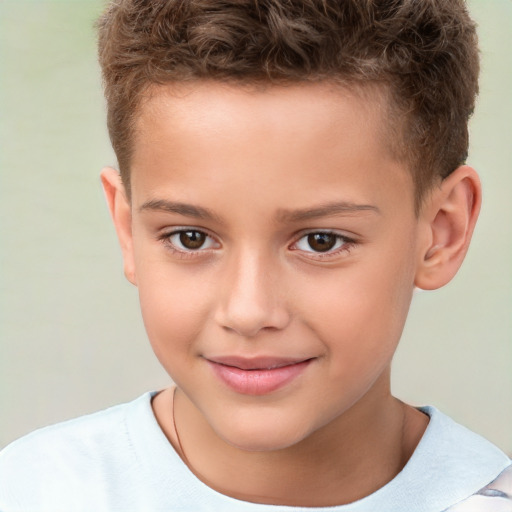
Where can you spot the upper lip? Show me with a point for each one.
(257, 363)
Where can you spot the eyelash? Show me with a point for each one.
(347, 244)
(165, 238)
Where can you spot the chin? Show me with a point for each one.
(261, 436)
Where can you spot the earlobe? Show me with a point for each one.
(120, 211)
(448, 217)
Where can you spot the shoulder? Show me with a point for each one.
(494, 497)
(80, 438)
(67, 459)
(455, 446)
(452, 463)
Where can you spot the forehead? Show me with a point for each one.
(221, 105)
(305, 135)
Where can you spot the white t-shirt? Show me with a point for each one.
(120, 460)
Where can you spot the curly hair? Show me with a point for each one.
(424, 52)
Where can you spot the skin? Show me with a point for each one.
(265, 164)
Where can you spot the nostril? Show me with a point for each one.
(249, 325)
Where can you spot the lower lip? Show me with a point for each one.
(258, 382)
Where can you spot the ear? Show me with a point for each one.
(120, 210)
(448, 216)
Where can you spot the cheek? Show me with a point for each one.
(359, 314)
(174, 308)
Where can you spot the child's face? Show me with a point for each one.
(271, 228)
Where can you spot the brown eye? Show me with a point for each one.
(189, 240)
(192, 240)
(322, 242)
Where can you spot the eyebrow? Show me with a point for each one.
(185, 209)
(283, 215)
(325, 210)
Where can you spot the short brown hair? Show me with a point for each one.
(423, 51)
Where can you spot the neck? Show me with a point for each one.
(346, 460)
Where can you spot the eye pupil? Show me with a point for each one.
(321, 242)
(192, 239)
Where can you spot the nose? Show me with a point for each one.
(251, 298)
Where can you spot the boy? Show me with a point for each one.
(290, 171)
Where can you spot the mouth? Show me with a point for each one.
(257, 376)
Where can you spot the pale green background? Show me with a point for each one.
(72, 339)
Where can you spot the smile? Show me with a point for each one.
(258, 376)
